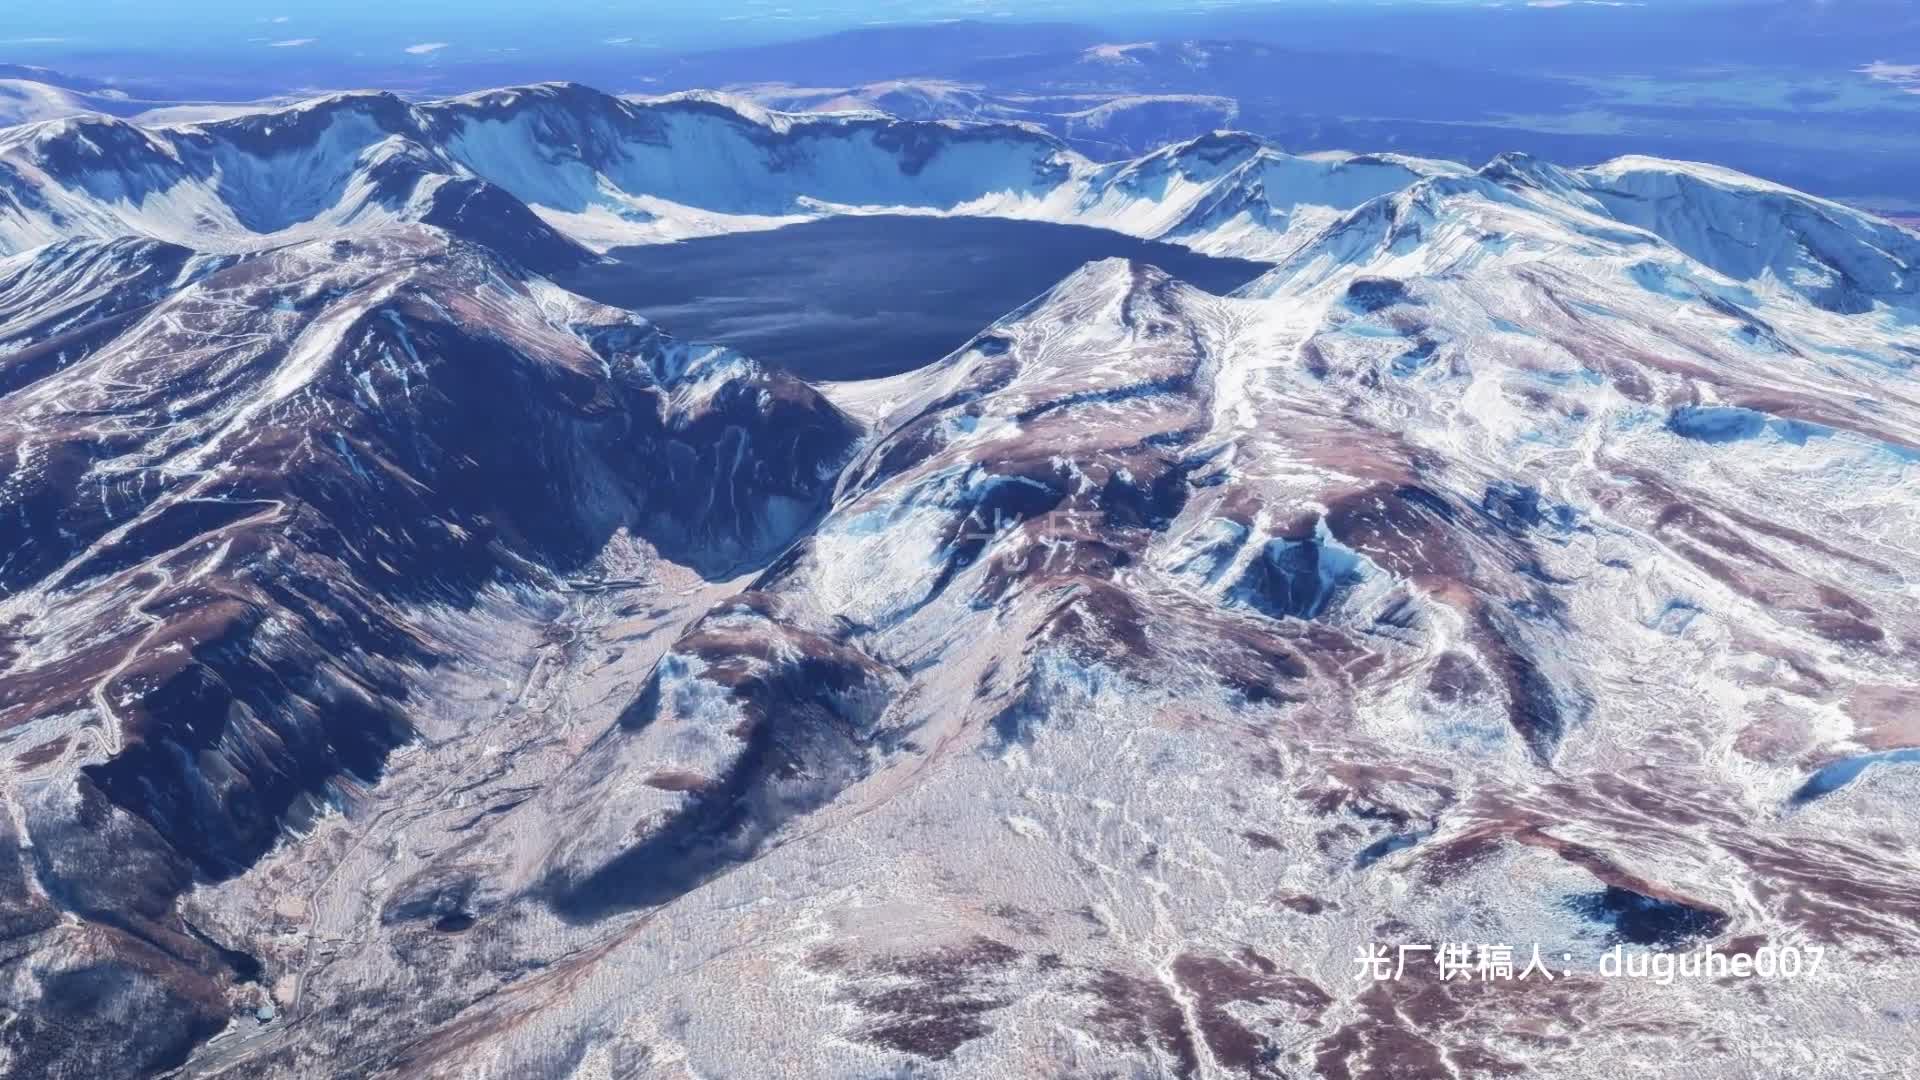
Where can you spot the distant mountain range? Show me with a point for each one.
(1773, 87)
(546, 174)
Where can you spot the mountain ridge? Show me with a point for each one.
(566, 169)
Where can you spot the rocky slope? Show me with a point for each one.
(251, 520)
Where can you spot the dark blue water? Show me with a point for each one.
(861, 297)
(1836, 775)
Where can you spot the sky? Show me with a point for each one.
(228, 49)
(347, 26)
(370, 24)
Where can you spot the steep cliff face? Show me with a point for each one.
(534, 171)
(233, 510)
(590, 162)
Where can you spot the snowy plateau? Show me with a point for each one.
(409, 667)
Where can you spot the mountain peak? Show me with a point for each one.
(346, 99)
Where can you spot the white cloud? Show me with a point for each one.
(291, 43)
(616, 41)
(1901, 76)
(426, 47)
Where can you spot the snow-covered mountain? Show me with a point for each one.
(1727, 239)
(259, 510)
(546, 164)
(545, 173)
(410, 668)
(26, 101)
(30, 95)
(328, 166)
(1102, 126)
